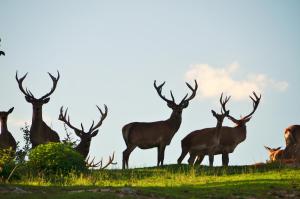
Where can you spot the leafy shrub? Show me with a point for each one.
(7, 163)
(55, 158)
(22, 153)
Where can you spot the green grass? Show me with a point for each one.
(172, 181)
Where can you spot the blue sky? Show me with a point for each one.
(111, 52)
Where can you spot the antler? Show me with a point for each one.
(54, 80)
(255, 104)
(63, 117)
(194, 90)
(26, 92)
(100, 163)
(103, 116)
(159, 89)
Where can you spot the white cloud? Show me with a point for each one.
(212, 81)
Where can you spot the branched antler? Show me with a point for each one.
(100, 165)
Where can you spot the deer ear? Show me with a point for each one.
(170, 105)
(45, 101)
(247, 120)
(278, 148)
(185, 104)
(28, 99)
(268, 148)
(214, 113)
(11, 110)
(94, 133)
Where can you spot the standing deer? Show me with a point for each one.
(6, 138)
(84, 146)
(232, 136)
(156, 134)
(40, 132)
(203, 142)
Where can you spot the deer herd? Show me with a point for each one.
(208, 141)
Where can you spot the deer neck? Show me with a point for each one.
(175, 120)
(3, 126)
(37, 115)
(218, 129)
(83, 147)
(241, 132)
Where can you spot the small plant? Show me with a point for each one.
(7, 163)
(55, 158)
(21, 154)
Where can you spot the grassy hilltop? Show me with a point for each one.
(171, 181)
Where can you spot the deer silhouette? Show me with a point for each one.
(6, 138)
(203, 142)
(84, 146)
(233, 136)
(40, 132)
(155, 134)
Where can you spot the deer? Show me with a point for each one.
(233, 136)
(146, 135)
(203, 142)
(290, 154)
(40, 132)
(6, 138)
(86, 136)
(292, 135)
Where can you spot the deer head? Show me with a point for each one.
(177, 108)
(37, 103)
(224, 112)
(4, 115)
(275, 153)
(85, 136)
(245, 119)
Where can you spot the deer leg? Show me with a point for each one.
(160, 155)
(126, 154)
(191, 160)
(199, 159)
(211, 160)
(225, 159)
(183, 154)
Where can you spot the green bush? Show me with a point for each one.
(6, 162)
(55, 158)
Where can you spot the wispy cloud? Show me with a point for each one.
(212, 81)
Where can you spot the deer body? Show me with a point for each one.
(6, 138)
(38, 126)
(154, 134)
(205, 141)
(40, 132)
(292, 135)
(158, 134)
(230, 138)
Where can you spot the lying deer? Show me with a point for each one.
(84, 146)
(155, 134)
(290, 154)
(6, 138)
(203, 142)
(292, 135)
(40, 132)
